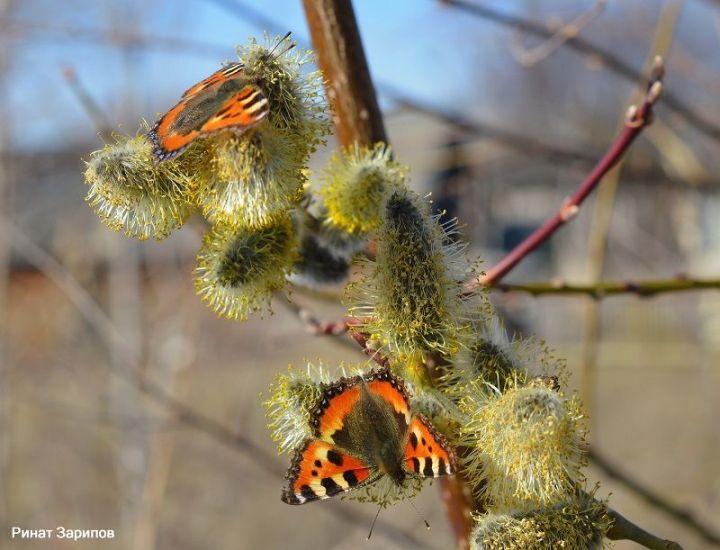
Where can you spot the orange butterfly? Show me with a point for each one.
(226, 100)
(363, 430)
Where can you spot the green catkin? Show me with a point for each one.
(575, 524)
(413, 301)
(251, 179)
(525, 445)
(237, 269)
(355, 185)
(130, 192)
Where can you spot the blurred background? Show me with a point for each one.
(126, 404)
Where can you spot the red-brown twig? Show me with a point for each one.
(313, 324)
(637, 119)
(610, 61)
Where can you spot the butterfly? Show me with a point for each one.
(226, 100)
(363, 429)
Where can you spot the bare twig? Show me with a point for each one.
(171, 44)
(623, 529)
(528, 58)
(636, 120)
(312, 324)
(89, 105)
(678, 514)
(363, 340)
(605, 289)
(614, 63)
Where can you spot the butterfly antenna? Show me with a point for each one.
(373, 523)
(419, 514)
(275, 47)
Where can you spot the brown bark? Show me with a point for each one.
(341, 57)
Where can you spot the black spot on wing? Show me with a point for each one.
(351, 478)
(334, 457)
(413, 440)
(441, 467)
(331, 488)
(416, 464)
(308, 493)
(428, 470)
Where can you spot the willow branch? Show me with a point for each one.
(623, 529)
(636, 120)
(363, 340)
(612, 62)
(605, 289)
(528, 58)
(680, 515)
(311, 323)
(337, 43)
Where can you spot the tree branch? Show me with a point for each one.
(614, 63)
(643, 289)
(623, 529)
(357, 119)
(678, 514)
(636, 120)
(337, 43)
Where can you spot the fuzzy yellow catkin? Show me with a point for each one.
(525, 445)
(130, 192)
(412, 300)
(251, 178)
(289, 407)
(575, 524)
(355, 185)
(238, 269)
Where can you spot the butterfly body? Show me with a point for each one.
(364, 430)
(226, 100)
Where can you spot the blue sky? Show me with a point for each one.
(433, 52)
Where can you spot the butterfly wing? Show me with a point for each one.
(340, 399)
(222, 101)
(230, 70)
(320, 470)
(241, 110)
(427, 452)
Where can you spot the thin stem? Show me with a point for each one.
(636, 121)
(605, 289)
(312, 324)
(624, 529)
